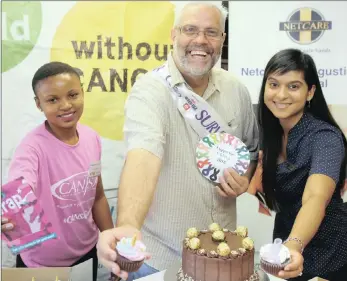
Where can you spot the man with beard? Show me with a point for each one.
(161, 192)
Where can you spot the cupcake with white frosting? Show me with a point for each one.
(274, 257)
(130, 254)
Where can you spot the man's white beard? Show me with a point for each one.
(182, 60)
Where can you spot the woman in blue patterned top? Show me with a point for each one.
(304, 160)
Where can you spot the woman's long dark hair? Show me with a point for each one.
(270, 128)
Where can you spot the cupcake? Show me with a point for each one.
(130, 254)
(274, 257)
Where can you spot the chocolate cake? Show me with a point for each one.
(217, 255)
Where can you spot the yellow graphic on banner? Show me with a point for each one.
(111, 44)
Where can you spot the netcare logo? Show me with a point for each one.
(305, 26)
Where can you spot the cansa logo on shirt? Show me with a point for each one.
(80, 216)
(75, 187)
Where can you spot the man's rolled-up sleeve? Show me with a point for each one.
(146, 116)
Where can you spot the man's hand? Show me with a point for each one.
(232, 184)
(107, 244)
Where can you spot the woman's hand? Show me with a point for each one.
(295, 267)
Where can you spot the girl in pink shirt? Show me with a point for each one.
(61, 160)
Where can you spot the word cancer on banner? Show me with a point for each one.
(106, 48)
(111, 45)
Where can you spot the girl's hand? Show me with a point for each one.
(6, 225)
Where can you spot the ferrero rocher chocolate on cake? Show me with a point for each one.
(217, 254)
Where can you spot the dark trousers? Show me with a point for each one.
(339, 275)
(90, 255)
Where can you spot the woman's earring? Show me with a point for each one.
(309, 104)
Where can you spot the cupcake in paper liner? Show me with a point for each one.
(130, 254)
(274, 257)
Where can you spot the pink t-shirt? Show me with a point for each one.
(59, 175)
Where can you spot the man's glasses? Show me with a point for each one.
(193, 31)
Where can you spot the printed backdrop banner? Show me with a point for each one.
(257, 30)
